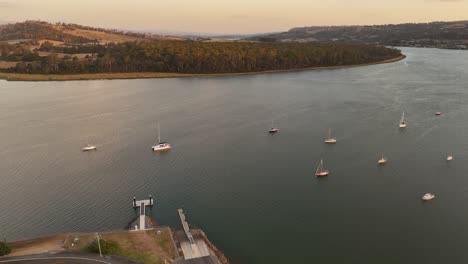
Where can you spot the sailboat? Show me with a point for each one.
(383, 160)
(449, 157)
(402, 121)
(161, 146)
(273, 129)
(321, 171)
(89, 147)
(330, 139)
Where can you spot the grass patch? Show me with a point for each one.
(149, 247)
(107, 247)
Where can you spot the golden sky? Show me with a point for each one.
(231, 16)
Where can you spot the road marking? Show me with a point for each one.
(72, 258)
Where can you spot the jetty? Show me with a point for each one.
(191, 248)
(142, 204)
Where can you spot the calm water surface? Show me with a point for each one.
(254, 194)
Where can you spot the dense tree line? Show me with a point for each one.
(206, 57)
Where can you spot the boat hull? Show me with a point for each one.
(322, 174)
(159, 148)
(89, 149)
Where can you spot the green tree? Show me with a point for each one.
(4, 249)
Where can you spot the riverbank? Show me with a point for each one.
(146, 246)
(156, 75)
(155, 245)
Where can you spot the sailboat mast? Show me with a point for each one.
(159, 134)
(320, 167)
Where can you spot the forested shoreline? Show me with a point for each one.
(194, 57)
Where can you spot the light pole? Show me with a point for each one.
(99, 244)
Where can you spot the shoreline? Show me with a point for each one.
(157, 75)
(66, 243)
(152, 245)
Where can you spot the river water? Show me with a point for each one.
(253, 193)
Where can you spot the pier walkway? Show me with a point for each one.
(142, 208)
(191, 248)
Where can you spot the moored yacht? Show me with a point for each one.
(330, 139)
(449, 157)
(321, 171)
(383, 160)
(428, 197)
(89, 148)
(273, 129)
(161, 146)
(402, 121)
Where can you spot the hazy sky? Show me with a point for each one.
(230, 16)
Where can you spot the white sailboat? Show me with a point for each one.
(89, 147)
(403, 121)
(330, 139)
(273, 129)
(321, 171)
(161, 146)
(383, 160)
(428, 197)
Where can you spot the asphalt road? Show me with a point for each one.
(66, 258)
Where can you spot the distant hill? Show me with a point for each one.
(71, 33)
(451, 35)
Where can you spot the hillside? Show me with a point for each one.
(71, 34)
(35, 47)
(450, 35)
(37, 30)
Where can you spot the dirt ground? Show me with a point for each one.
(38, 246)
